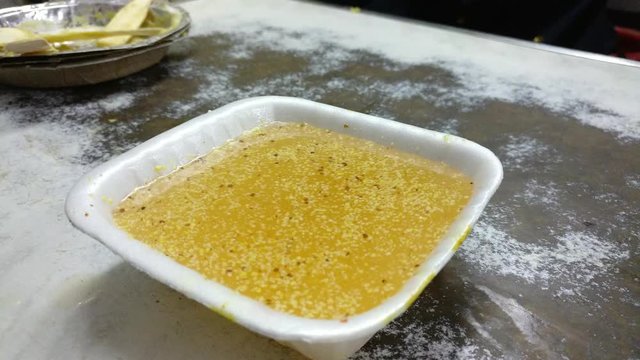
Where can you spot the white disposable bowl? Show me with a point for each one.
(91, 201)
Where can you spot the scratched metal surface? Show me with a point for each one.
(550, 271)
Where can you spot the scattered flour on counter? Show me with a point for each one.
(468, 316)
(40, 248)
(521, 151)
(43, 138)
(437, 340)
(77, 114)
(522, 318)
(333, 57)
(390, 90)
(573, 259)
(608, 198)
(501, 71)
(66, 107)
(117, 101)
(448, 126)
(633, 181)
(404, 89)
(218, 85)
(536, 192)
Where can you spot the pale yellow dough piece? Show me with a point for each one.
(34, 45)
(74, 34)
(9, 35)
(130, 17)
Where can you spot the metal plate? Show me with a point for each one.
(79, 73)
(70, 58)
(58, 15)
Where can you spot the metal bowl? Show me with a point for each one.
(58, 15)
(83, 72)
(86, 66)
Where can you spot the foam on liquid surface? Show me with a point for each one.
(307, 221)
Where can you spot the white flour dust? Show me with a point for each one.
(522, 318)
(572, 258)
(43, 147)
(499, 71)
(438, 340)
(633, 181)
(116, 102)
(540, 193)
(40, 162)
(448, 126)
(480, 328)
(522, 151)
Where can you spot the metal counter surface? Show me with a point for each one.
(550, 271)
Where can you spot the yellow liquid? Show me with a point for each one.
(307, 221)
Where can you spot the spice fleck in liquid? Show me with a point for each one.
(307, 221)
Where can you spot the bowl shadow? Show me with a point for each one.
(132, 316)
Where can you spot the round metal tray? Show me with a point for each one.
(58, 15)
(84, 72)
(89, 65)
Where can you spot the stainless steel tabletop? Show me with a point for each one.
(550, 271)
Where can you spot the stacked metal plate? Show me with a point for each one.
(83, 63)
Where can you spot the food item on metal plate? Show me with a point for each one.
(30, 46)
(8, 35)
(305, 220)
(89, 33)
(130, 17)
(23, 42)
(124, 27)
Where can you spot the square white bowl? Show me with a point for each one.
(90, 204)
